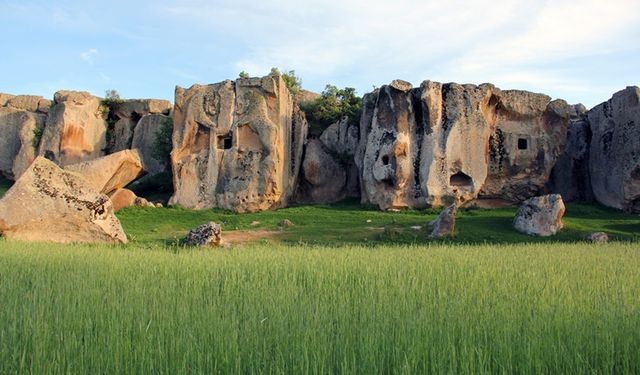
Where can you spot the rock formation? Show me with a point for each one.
(50, 204)
(122, 198)
(144, 140)
(75, 129)
(236, 145)
(441, 143)
(540, 216)
(22, 117)
(126, 116)
(614, 156)
(110, 172)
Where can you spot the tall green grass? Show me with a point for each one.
(538, 308)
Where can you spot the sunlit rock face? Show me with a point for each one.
(444, 143)
(614, 158)
(236, 145)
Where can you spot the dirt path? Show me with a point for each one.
(239, 237)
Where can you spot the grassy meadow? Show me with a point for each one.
(347, 289)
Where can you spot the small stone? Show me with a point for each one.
(254, 223)
(444, 225)
(285, 223)
(159, 205)
(416, 227)
(598, 237)
(209, 234)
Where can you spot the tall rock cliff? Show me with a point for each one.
(236, 145)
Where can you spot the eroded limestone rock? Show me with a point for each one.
(144, 139)
(53, 205)
(614, 159)
(16, 141)
(236, 145)
(445, 224)
(209, 234)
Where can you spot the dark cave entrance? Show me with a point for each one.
(460, 180)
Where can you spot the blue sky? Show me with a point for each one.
(581, 51)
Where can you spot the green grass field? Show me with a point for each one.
(348, 289)
(538, 308)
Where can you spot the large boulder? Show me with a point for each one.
(236, 145)
(75, 129)
(30, 103)
(17, 149)
(122, 198)
(144, 140)
(110, 172)
(614, 158)
(209, 234)
(540, 216)
(528, 136)
(50, 204)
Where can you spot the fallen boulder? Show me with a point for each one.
(110, 172)
(209, 234)
(122, 198)
(53, 205)
(598, 237)
(540, 216)
(445, 224)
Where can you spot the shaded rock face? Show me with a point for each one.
(444, 143)
(110, 172)
(570, 176)
(329, 171)
(236, 145)
(614, 157)
(20, 117)
(529, 135)
(209, 234)
(75, 129)
(126, 117)
(49, 204)
(144, 138)
(540, 216)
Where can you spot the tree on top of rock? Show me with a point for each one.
(333, 105)
(293, 82)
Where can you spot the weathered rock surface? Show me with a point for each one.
(16, 141)
(75, 129)
(144, 138)
(445, 224)
(442, 143)
(50, 204)
(236, 145)
(122, 198)
(209, 234)
(110, 172)
(614, 158)
(540, 216)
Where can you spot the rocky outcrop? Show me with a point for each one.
(75, 129)
(144, 140)
(126, 116)
(445, 224)
(540, 216)
(50, 204)
(110, 172)
(236, 145)
(614, 157)
(570, 176)
(444, 143)
(22, 118)
(329, 171)
(209, 234)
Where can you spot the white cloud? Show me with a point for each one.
(89, 55)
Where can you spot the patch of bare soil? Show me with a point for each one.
(488, 203)
(241, 237)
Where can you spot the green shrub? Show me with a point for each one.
(293, 82)
(333, 105)
(243, 74)
(162, 143)
(37, 137)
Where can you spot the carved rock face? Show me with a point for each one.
(445, 143)
(614, 159)
(54, 205)
(236, 145)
